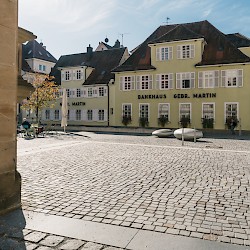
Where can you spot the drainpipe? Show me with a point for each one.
(108, 104)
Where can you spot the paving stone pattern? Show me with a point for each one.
(31, 240)
(200, 190)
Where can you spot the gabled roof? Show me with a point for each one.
(178, 33)
(102, 63)
(33, 49)
(239, 40)
(218, 49)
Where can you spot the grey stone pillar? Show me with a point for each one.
(10, 181)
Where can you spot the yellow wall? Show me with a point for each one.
(223, 94)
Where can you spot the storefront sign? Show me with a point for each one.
(75, 104)
(152, 96)
(200, 95)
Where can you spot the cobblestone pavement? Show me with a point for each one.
(199, 190)
(31, 240)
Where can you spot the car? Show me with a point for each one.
(163, 133)
(189, 134)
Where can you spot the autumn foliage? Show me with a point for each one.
(44, 95)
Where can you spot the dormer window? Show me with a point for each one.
(164, 53)
(185, 51)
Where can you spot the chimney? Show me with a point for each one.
(89, 50)
(43, 45)
(117, 44)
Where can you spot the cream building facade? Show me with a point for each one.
(86, 78)
(189, 72)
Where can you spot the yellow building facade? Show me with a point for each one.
(189, 73)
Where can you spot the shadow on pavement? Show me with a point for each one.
(11, 230)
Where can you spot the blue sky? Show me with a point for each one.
(69, 26)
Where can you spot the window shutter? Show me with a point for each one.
(200, 79)
(74, 74)
(95, 92)
(240, 77)
(84, 115)
(170, 81)
(138, 82)
(121, 83)
(178, 80)
(216, 78)
(157, 83)
(150, 78)
(158, 54)
(191, 51)
(105, 91)
(179, 52)
(60, 114)
(72, 93)
(95, 115)
(132, 82)
(70, 76)
(63, 76)
(223, 78)
(84, 92)
(192, 80)
(43, 114)
(52, 114)
(81, 74)
(170, 55)
(105, 115)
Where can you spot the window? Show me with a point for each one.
(231, 110)
(101, 91)
(90, 92)
(90, 115)
(78, 115)
(127, 110)
(163, 110)
(208, 79)
(68, 92)
(101, 115)
(144, 110)
(164, 81)
(78, 92)
(185, 80)
(208, 110)
(185, 110)
(67, 75)
(164, 53)
(57, 114)
(78, 74)
(144, 82)
(232, 78)
(44, 68)
(47, 114)
(127, 83)
(185, 51)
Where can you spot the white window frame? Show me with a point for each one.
(206, 77)
(57, 114)
(160, 81)
(124, 110)
(78, 114)
(182, 76)
(47, 114)
(144, 104)
(127, 83)
(164, 53)
(208, 103)
(144, 79)
(226, 76)
(90, 92)
(225, 109)
(67, 75)
(101, 91)
(101, 115)
(90, 115)
(185, 103)
(186, 51)
(78, 74)
(78, 92)
(168, 110)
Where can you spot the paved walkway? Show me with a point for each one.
(162, 194)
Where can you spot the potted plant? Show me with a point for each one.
(162, 120)
(126, 119)
(207, 122)
(143, 121)
(231, 123)
(185, 121)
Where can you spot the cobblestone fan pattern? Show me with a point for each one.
(144, 182)
(31, 240)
